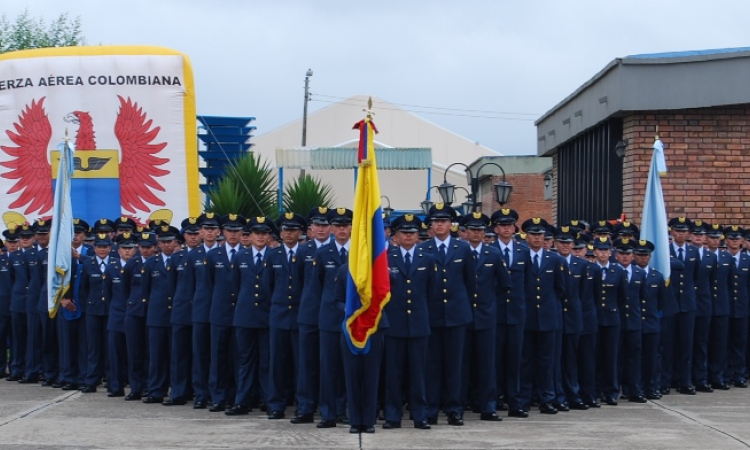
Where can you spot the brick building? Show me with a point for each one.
(601, 136)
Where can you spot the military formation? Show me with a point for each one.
(488, 314)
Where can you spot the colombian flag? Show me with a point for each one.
(368, 287)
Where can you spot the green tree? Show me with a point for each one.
(29, 33)
(247, 188)
(306, 193)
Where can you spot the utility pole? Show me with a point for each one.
(304, 114)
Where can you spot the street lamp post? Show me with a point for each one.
(387, 210)
(308, 74)
(502, 189)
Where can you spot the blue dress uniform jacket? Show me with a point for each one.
(183, 286)
(492, 281)
(118, 302)
(253, 298)
(546, 294)
(33, 271)
(683, 282)
(96, 287)
(653, 301)
(612, 296)
(327, 263)
(454, 287)
(708, 267)
(5, 323)
(309, 304)
(578, 279)
(137, 306)
(590, 289)
(738, 288)
(511, 309)
(410, 292)
(631, 311)
(224, 297)
(720, 298)
(41, 304)
(202, 285)
(20, 277)
(156, 290)
(284, 280)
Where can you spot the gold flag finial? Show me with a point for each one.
(369, 108)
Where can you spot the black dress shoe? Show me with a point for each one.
(31, 380)
(491, 417)
(547, 408)
(327, 424)
(150, 400)
(353, 430)
(342, 419)
(368, 429)
(131, 397)
(653, 396)
(303, 418)
(274, 415)
(740, 383)
(455, 419)
(177, 401)
(502, 407)
(580, 406)
(49, 383)
(703, 388)
(720, 386)
(381, 416)
(637, 399)
(217, 407)
(521, 414)
(389, 425)
(432, 420)
(14, 377)
(593, 404)
(116, 394)
(423, 425)
(687, 390)
(88, 389)
(611, 401)
(562, 407)
(200, 405)
(237, 410)
(58, 384)
(665, 391)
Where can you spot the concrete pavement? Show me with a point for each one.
(32, 416)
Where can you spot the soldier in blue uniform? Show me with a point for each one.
(19, 275)
(651, 307)
(32, 262)
(683, 290)
(703, 305)
(284, 276)
(566, 384)
(611, 298)
(308, 386)
(50, 367)
(450, 313)
(157, 291)
(412, 276)
(199, 282)
(181, 357)
(590, 289)
(492, 279)
(720, 302)
(6, 283)
(219, 268)
(136, 331)
(328, 259)
(96, 292)
(739, 298)
(511, 312)
(251, 316)
(631, 343)
(546, 291)
(117, 346)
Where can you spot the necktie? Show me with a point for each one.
(407, 262)
(736, 261)
(102, 266)
(475, 254)
(258, 260)
(536, 261)
(680, 256)
(343, 253)
(166, 261)
(506, 255)
(627, 276)
(291, 255)
(231, 254)
(442, 252)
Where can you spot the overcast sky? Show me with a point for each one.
(469, 62)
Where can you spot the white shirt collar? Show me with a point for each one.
(346, 246)
(447, 241)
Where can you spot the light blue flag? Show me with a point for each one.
(61, 232)
(654, 219)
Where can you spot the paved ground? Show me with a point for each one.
(38, 417)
